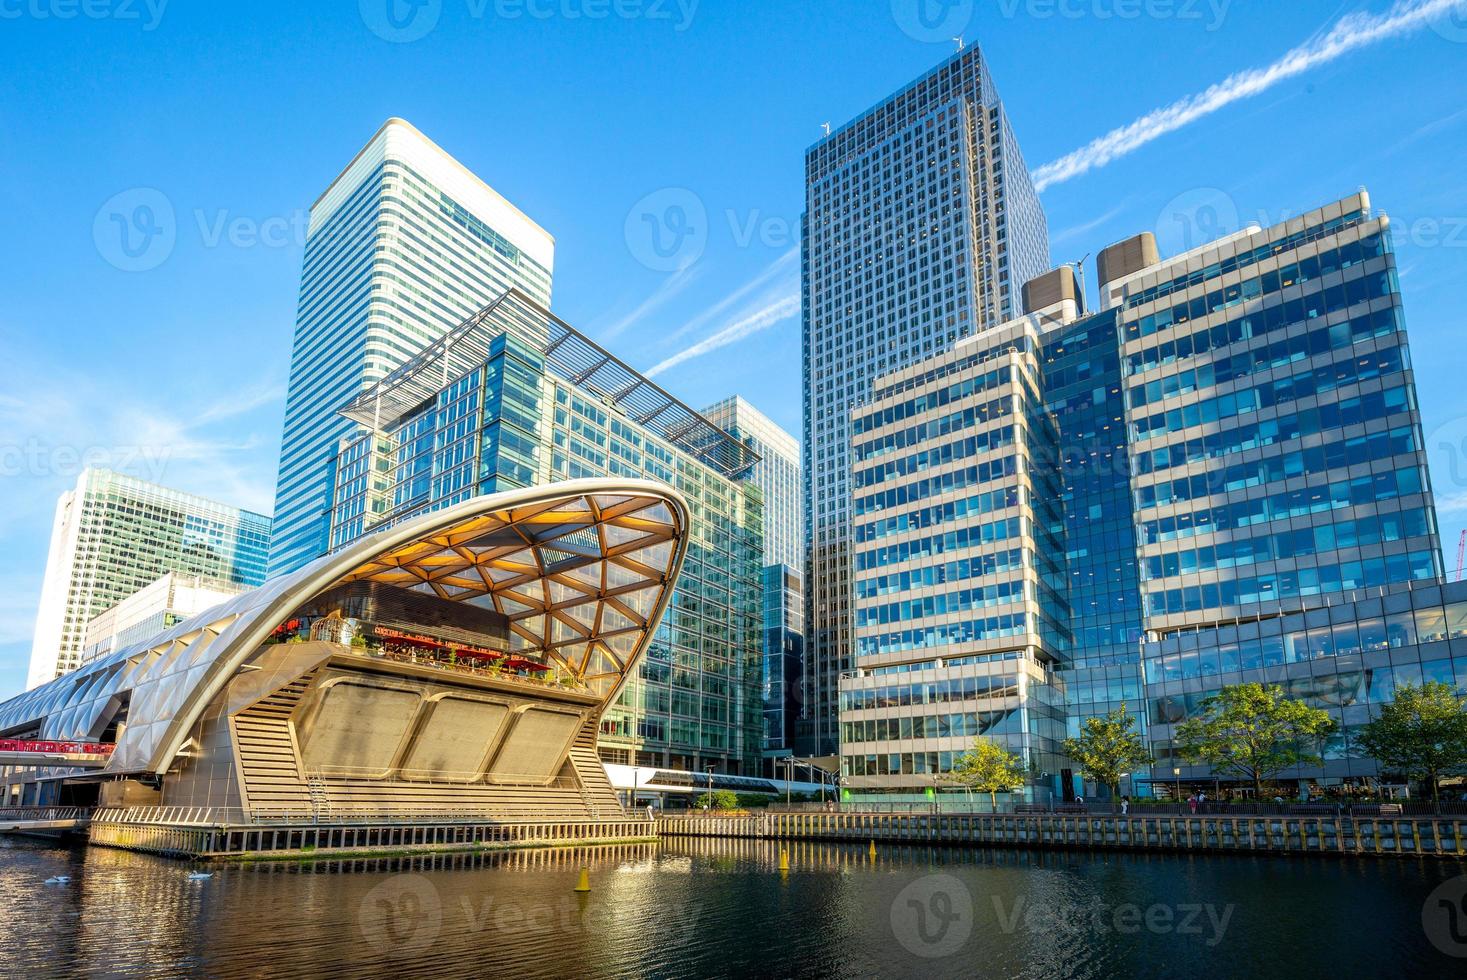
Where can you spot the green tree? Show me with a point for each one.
(719, 799)
(1108, 748)
(989, 768)
(1253, 731)
(1422, 733)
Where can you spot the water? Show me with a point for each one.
(698, 908)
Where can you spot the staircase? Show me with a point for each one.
(270, 773)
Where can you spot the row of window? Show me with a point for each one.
(1418, 566)
(1331, 415)
(975, 445)
(964, 600)
(911, 493)
(1251, 359)
(1297, 543)
(1399, 441)
(978, 566)
(1360, 491)
(949, 634)
(948, 691)
(1268, 394)
(968, 507)
(971, 536)
(963, 724)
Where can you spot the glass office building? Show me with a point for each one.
(1284, 512)
(1239, 494)
(527, 401)
(402, 246)
(920, 224)
(960, 604)
(1083, 390)
(777, 475)
(113, 536)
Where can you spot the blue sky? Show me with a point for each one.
(591, 115)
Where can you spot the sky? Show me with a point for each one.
(661, 142)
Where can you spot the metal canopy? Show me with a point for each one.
(568, 354)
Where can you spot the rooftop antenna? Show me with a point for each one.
(959, 40)
(1080, 274)
(825, 126)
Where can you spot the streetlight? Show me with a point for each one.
(708, 797)
(1177, 775)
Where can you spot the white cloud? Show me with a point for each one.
(772, 311)
(666, 290)
(784, 265)
(1351, 32)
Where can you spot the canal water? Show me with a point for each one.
(701, 908)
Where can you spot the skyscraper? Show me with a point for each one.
(1233, 490)
(114, 535)
(920, 225)
(515, 397)
(777, 475)
(402, 246)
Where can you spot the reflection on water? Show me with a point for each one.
(705, 907)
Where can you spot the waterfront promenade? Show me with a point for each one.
(1284, 834)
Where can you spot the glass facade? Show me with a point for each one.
(1273, 423)
(1216, 479)
(960, 609)
(515, 420)
(777, 475)
(920, 223)
(400, 249)
(1345, 657)
(114, 535)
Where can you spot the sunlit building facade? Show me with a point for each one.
(960, 606)
(777, 475)
(1284, 512)
(920, 224)
(517, 411)
(113, 535)
(402, 246)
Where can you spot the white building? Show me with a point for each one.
(404, 245)
(114, 535)
(153, 609)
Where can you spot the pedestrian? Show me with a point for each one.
(1125, 805)
(1202, 801)
(1192, 803)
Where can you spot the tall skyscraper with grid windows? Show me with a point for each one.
(920, 225)
(403, 246)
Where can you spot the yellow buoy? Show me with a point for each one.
(584, 883)
(784, 859)
(872, 850)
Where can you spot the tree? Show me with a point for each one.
(1253, 731)
(1108, 748)
(719, 799)
(1422, 733)
(989, 768)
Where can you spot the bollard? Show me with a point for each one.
(583, 884)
